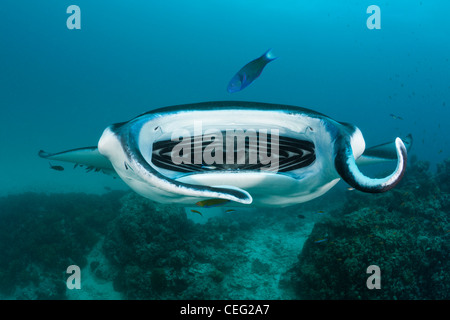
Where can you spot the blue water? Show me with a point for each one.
(60, 88)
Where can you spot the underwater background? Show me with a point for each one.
(60, 88)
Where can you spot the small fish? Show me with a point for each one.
(209, 167)
(195, 211)
(321, 240)
(350, 188)
(107, 188)
(250, 72)
(396, 117)
(300, 216)
(320, 212)
(57, 168)
(210, 203)
(230, 210)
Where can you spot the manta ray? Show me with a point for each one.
(244, 152)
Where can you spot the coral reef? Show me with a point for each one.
(405, 232)
(160, 254)
(146, 243)
(137, 249)
(443, 176)
(41, 235)
(146, 250)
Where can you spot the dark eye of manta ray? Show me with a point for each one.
(293, 154)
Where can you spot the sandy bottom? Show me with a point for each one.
(271, 252)
(268, 254)
(92, 287)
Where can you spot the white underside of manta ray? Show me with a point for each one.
(313, 153)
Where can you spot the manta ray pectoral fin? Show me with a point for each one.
(347, 168)
(89, 157)
(383, 152)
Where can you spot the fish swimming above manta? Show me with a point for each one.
(250, 72)
(245, 152)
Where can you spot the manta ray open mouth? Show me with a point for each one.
(292, 154)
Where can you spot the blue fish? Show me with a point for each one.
(250, 72)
